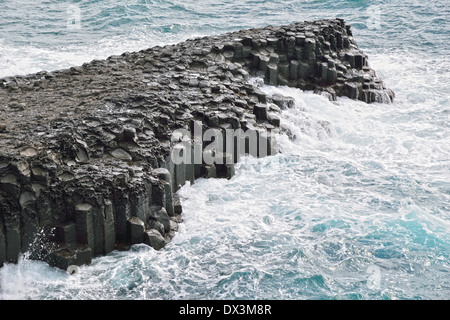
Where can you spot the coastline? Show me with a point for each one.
(87, 150)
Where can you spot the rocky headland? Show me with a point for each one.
(85, 152)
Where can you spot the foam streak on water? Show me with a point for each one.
(356, 205)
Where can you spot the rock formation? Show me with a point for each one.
(85, 153)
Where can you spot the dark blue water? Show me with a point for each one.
(356, 210)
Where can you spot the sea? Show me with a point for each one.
(355, 206)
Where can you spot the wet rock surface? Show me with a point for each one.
(85, 151)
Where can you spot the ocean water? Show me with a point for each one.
(355, 206)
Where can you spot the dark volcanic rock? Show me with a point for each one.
(82, 148)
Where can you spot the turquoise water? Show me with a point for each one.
(354, 209)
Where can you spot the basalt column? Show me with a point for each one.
(86, 153)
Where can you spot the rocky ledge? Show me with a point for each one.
(85, 161)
